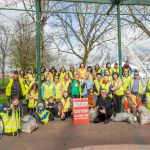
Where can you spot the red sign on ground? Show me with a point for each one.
(80, 111)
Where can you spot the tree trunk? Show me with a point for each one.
(85, 58)
(3, 71)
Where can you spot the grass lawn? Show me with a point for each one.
(3, 99)
(5, 82)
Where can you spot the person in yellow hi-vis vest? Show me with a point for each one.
(106, 85)
(116, 68)
(58, 88)
(147, 94)
(108, 67)
(21, 75)
(118, 92)
(33, 99)
(90, 71)
(43, 71)
(65, 83)
(15, 88)
(42, 115)
(48, 89)
(136, 86)
(11, 118)
(62, 74)
(126, 80)
(66, 106)
(81, 71)
(97, 84)
(98, 69)
(27, 84)
(72, 72)
(53, 73)
(30, 74)
(107, 73)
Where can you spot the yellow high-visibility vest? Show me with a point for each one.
(65, 85)
(11, 123)
(58, 88)
(98, 85)
(106, 86)
(27, 88)
(66, 104)
(126, 82)
(9, 86)
(48, 90)
(120, 91)
(61, 77)
(32, 102)
(44, 116)
(140, 88)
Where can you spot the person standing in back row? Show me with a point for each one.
(16, 89)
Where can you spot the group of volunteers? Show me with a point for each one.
(107, 93)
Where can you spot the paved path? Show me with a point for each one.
(58, 135)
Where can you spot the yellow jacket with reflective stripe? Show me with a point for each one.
(48, 90)
(66, 104)
(126, 82)
(31, 77)
(106, 86)
(140, 88)
(33, 101)
(51, 77)
(98, 85)
(65, 85)
(71, 74)
(11, 123)
(61, 77)
(44, 115)
(115, 70)
(148, 91)
(9, 86)
(27, 88)
(119, 91)
(58, 88)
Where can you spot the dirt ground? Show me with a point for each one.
(58, 135)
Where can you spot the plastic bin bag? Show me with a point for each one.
(124, 117)
(144, 115)
(28, 124)
(93, 114)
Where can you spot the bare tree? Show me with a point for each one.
(23, 44)
(80, 34)
(4, 48)
(141, 21)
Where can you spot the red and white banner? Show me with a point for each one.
(81, 111)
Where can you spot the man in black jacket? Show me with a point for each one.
(104, 106)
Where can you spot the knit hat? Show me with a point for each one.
(40, 105)
(5, 106)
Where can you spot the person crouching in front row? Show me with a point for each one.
(66, 106)
(51, 106)
(104, 106)
(42, 115)
(11, 117)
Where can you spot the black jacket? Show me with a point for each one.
(107, 103)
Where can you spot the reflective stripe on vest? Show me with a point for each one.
(11, 123)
